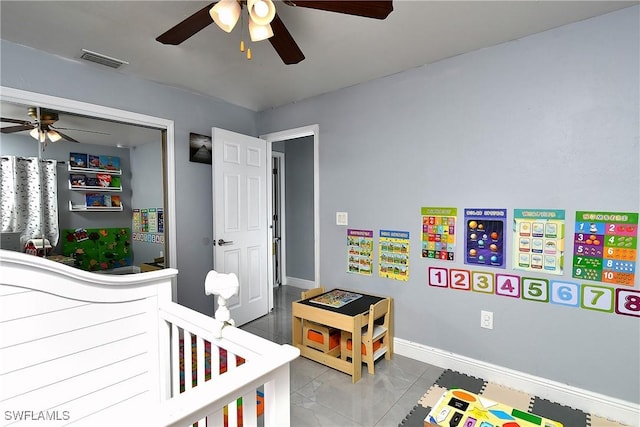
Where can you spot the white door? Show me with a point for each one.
(240, 223)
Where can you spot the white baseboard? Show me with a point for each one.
(299, 283)
(587, 401)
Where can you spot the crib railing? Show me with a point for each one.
(230, 380)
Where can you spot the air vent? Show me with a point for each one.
(101, 59)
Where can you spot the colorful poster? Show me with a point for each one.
(160, 220)
(484, 236)
(538, 240)
(605, 247)
(144, 224)
(137, 221)
(153, 220)
(360, 249)
(438, 233)
(394, 255)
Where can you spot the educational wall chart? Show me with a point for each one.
(538, 240)
(360, 251)
(438, 233)
(148, 225)
(394, 255)
(484, 242)
(569, 294)
(605, 247)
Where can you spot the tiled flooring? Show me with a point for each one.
(324, 397)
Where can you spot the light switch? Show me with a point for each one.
(342, 218)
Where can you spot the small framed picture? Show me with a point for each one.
(200, 148)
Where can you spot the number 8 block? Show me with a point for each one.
(628, 302)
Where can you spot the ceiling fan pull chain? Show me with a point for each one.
(249, 53)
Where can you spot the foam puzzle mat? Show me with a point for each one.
(449, 379)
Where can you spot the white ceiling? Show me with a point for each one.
(340, 50)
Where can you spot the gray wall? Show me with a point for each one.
(299, 208)
(547, 121)
(146, 189)
(22, 68)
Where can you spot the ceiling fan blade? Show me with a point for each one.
(284, 44)
(14, 129)
(188, 27)
(57, 129)
(67, 137)
(20, 122)
(378, 9)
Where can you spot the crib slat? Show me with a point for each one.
(249, 410)
(175, 360)
(201, 362)
(188, 361)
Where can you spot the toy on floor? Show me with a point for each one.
(458, 407)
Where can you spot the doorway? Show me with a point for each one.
(294, 136)
(17, 96)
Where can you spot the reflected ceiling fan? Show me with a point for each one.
(265, 23)
(41, 128)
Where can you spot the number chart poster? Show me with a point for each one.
(538, 240)
(439, 233)
(484, 237)
(394, 255)
(360, 248)
(605, 247)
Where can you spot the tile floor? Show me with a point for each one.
(324, 397)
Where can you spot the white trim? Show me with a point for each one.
(585, 400)
(283, 217)
(25, 97)
(300, 283)
(298, 133)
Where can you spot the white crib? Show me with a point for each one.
(78, 348)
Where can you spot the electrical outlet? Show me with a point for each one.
(486, 319)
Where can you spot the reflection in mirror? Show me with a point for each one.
(83, 191)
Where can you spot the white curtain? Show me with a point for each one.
(28, 198)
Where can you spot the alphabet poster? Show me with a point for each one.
(360, 251)
(439, 233)
(394, 255)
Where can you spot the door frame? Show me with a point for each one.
(99, 111)
(310, 130)
(283, 216)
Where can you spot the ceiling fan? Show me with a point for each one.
(275, 30)
(41, 127)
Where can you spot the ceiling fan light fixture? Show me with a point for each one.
(53, 136)
(225, 14)
(261, 12)
(259, 32)
(35, 133)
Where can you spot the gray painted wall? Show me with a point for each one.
(21, 68)
(146, 192)
(299, 208)
(547, 121)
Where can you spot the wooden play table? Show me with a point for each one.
(350, 317)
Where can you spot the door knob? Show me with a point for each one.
(222, 242)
